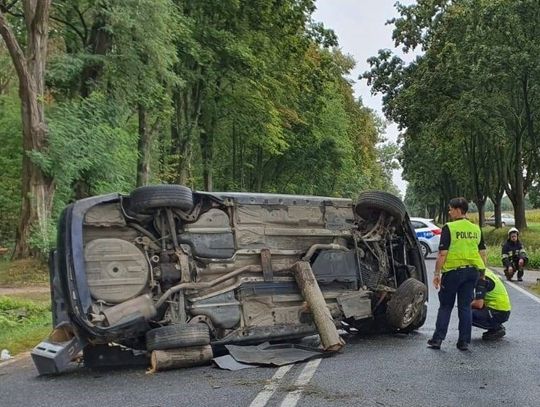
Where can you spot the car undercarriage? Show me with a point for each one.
(167, 268)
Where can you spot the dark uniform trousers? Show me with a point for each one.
(489, 319)
(458, 282)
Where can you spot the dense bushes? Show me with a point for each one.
(10, 165)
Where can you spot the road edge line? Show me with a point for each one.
(523, 291)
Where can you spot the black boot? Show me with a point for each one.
(462, 345)
(520, 275)
(434, 343)
(494, 334)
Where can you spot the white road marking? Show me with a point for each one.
(523, 291)
(268, 390)
(292, 398)
(517, 287)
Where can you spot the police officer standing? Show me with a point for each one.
(462, 255)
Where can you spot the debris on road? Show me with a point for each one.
(4, 355)
(178, 358)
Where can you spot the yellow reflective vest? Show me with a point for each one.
(497, 298)
(463, 250)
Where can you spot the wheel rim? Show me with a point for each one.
(412, 310)
(424, 250)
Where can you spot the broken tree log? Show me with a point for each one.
(181, 357)
(330, 339)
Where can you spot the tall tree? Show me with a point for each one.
(37, 187)
(476, 83)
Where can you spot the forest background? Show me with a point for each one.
(216, 95)
(106, 95)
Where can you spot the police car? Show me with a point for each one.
(428, 234)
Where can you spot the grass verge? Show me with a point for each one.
(23, 273)
(24, 322)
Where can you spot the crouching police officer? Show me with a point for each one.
(460, 260)
(491, 307)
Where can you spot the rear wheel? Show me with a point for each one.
(145, 199)
(177, 336)
(406, 304)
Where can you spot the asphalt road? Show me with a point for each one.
(396, 370)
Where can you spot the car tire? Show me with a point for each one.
(503, 224)
(177, 336)
(145, 199)
(376, 201)
(424, 249)
(406, 304)
(418, 322)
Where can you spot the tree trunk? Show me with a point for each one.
(259, 170)
(515, 190)
(241, 163)
(100, 43)
(144, 147)
(481, 205)
(206, 141)
(37, 188)
(234, 148)
(187, 112)
(330, 339)
(497, 207)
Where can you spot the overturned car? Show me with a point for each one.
(168, 268)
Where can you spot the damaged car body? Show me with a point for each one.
(168, 268)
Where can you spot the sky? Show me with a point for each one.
(361, 29)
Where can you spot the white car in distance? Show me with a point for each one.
(506, 220)
(428, 235)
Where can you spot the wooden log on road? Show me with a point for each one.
(181, 357)
(330, 339)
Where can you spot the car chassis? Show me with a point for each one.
(170, 269)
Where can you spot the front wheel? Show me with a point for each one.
(418, 322)
(371, 203)
(406, 304)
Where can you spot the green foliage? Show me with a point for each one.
(467, 104)
(534, 195)
(10, 167)
(17, 311)
(227, 95)
(43, 238)
(89, 143)
(23, 323)
(144, 35)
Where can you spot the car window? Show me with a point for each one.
(417, 225)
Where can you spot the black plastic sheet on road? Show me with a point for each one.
(227, 362)
(273, 355)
